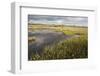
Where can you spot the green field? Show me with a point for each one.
(76, 46)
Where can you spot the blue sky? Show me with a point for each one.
(47, 19)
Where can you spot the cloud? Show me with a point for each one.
(43, 19)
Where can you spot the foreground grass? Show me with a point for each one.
(67, 49)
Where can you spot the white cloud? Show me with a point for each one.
(57, 19)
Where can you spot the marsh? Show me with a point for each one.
(49, 38)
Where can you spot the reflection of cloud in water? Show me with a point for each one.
(44, 38)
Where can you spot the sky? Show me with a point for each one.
(47, 19)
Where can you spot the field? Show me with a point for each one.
(49, 42)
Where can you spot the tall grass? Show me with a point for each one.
(66, 49)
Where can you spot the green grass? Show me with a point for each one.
(67, 49)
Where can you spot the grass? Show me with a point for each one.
(31, 39)
(72, 48)
(67, 30)
(67, 49)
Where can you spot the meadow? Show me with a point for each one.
(72, 45)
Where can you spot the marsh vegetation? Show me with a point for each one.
(47, 42)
